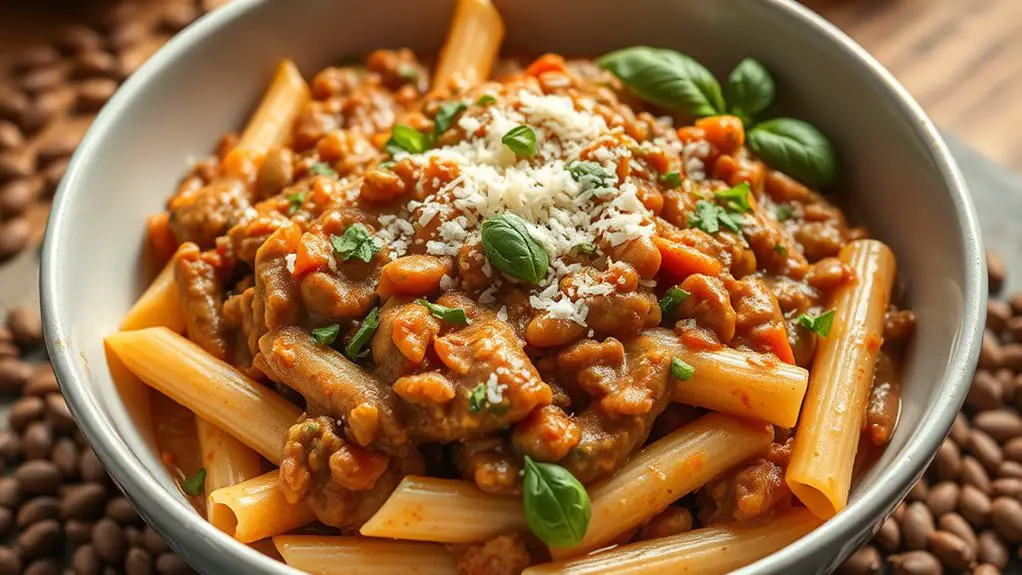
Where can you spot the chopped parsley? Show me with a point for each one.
(521, 140)
(323, 169)
(477, 398)
(709, 217)
(591, 172)
(407, 72)
(820, 325)
(736, 199)
(783, 213)
(327, 334)
(445, 116)
(454, 315)
(681, 370)
(407, 139)
(672, 179)
(584, 249)
(356, 348)
(780, 248)
(671, 300)
(294, 202)
(485, 99)
(196, 484)
(356, 242)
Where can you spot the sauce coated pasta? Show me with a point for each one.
(506, 316)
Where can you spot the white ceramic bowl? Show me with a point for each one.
(898, 177)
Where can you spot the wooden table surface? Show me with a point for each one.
(962, 59)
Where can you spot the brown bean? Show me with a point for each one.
(54, 172)
(94, 93)
(6, 522)
(865, 561)
(139, 562)
(989, 356)
(65, 457)
(38, 477)
(990, 549)
(42, 383)
(58, 413)
(986, 569)
(1013, 327)
(1006, 515)
(120, 510)
(108, 539)
(38, 509)
(10, 492)
(39, 539)
(17, 164)
(974, 506)
(1009, 468)
(1000, 424)
(948, 461)
(955, 523)
(998, 313)
(916, 526)
(177, 15)
(133, 535)
(985, 449)
(943, 498)
(86, 562)
(1013, 449)
(916, 563)
(44, 566)
(38, 440)
(96, 63)
(888, 537)
(25, 325)
(1007, 486)
(10, 563)
(78, 38)
(91, 468)
(17, 195)
(959, 430)
(58, 144)
(13, 103)
(997, 271)
(85, 501)
(14, 237)
(170, 564)
(126, 35)
(78, 532)
(920, 489)
(952, 550)
(974, 474)
(24, 411)
(42, 79)
(10, 135)
(1011, 356)
(153, 542)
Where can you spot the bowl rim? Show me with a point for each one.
(204, 545)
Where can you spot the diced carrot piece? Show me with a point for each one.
(725, 132)
(683, 260)
(161, 237)
(414, 275)
(314, 253)
(774, 338)
(691, 134)
(546, 63)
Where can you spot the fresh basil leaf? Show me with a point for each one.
(672, 179)
(356, 348)
(445, 116)
(408, 139)
(556, 505)
(681, 370)
(591, 172)
(667, 78)
(795, 148)
(454, 315)
(783, 213)
(820, 325)
(750, 90)
(327, 334)
(512, 250)
(485, 99)
(521, 140)
(196, 484)
(295, 202)
(736, 198)
(323, 169)
(671, 300)
(356, 242)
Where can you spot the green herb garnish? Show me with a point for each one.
(556, 504)
(667, 78)
(736, 198)
(196, 484)
(709, 217)
(356, 242)
(672, 179)
(454, 315)
(512, 250)
(445, 116)
(327, 334)
(671, 300)
(750, 90)
(795, 148)
(681, 370)
(820, 325)
(521, 140)
(323, 169)
(783, 213)
(294, 202)
(584, 249)
(356, 348)
(485, 99)
(590, 172)
(408, 139)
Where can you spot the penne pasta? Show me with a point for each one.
(255, 509)
(664, 471)
(473, 42)
(362, 556)
(739, 382)
(178, 368)
(271, 123)
(707, 551)
(820, 472)
(226, 460)
(160, 304)
(444, 511)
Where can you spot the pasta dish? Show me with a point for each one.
(500, 316)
